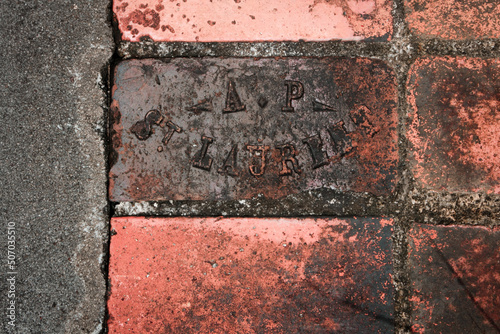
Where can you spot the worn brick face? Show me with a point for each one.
(240, 275)
(455, 275)
(253, 20)
(454, 122)
(454, 19)
(198, 129)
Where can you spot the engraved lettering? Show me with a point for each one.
(201, 159)
(233, 102)
(203, 105)
(318, 106)
(359, 116)
(341, 141)
(288, 153)
(258, 160)
(143, 129)
(316, 148)
(294, 91)
(229, 166)
(172, 128)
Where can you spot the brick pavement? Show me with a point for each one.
(453, 20)
(252, 21)
(454, 273)
(250, 275)
(411, 136)
(456, 148)
(233, 129)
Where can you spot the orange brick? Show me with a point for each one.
(253, 20)
(455, 275)
(241, 275)
(454, 19)
(454, 124)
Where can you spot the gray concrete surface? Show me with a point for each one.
(52, 163)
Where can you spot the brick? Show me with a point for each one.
(454, 19)
(455, 275)
(454, 122)
(253, 20)
(249, 275)
(204, 129)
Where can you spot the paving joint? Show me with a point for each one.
(106, 85)
(488, 48)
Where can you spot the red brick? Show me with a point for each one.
(455, 275)
(348, 106)
(454, 122)
(248, 275)
(454, 19)
(253, 20)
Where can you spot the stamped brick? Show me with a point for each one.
(253, 20)
(454, 122)
(455, 275)
(454, 19)
(204, 129)
(249, 275)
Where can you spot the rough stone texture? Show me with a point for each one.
(454, 122)
(455, 275)
(294, 125)
(324, 202)
(452, 207)
(52, 162)
(253, 20)
(222, 275)
(454, 19)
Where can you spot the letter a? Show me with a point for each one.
(229, 166)
(233, 102)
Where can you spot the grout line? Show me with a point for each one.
(487, 48)
(402, 64)
(107, 79)
(401, 282)
(484, 213)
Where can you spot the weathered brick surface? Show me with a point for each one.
(454, 19)
(454, 122)
(237, 128)
(240, 275)
(455, 275)
(253, 20)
